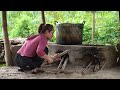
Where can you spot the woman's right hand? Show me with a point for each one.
(50, 60)
(47, 58)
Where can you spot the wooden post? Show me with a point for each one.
(6, 40)
(119, 15)
(93, 26)
(43, 16)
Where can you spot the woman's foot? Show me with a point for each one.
(37, 70)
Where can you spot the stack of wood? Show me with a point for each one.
(118, 53)
(2, 52)
(17, 41)
(12, 42)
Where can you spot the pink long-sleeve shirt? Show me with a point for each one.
(34, 46)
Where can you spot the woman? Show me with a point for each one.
(34, 51)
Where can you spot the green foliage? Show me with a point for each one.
(2, 64)
(53, 38)
(26, 24)
(107, 25)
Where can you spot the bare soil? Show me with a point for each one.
(71, 72)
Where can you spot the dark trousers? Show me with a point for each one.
(29, 63)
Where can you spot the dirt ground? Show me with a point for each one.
(73, 72)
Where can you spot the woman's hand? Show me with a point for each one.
(56, 57)
(50, 60)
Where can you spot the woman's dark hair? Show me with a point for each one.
(43, 27)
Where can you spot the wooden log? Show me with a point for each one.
(60, 64)
(6, 40)
(65, 63)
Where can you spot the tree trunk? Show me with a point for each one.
(6, 40)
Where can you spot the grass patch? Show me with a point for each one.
(2, 64)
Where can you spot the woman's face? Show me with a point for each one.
(49, 35)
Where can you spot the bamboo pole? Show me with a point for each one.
(119, 15)
(6, 40)
(43, 17)
(93, 26)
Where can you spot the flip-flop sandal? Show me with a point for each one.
(20, 69)
(38, 71)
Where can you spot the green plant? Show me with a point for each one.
(25, 23)
(2, 64)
